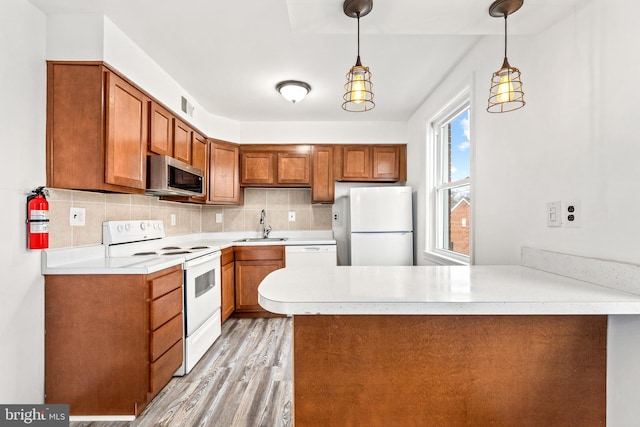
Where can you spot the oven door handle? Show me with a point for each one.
(201, 260)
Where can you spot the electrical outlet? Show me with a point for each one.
(173, 219)
(292, 216)
(77, 217)
(218, 218)
(554, 214)
(572, 214)
(336, 217)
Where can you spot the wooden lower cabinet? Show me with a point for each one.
(228, 278)
(449, 370)
(253, 263)
(112, 342)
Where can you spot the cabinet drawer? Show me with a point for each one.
(164, 284)
(164, 308)
(165, 336)
(257, 253)
(162, 369)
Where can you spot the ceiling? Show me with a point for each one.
(229, 55)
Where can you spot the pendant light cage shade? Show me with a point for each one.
(506, 90)
(358, 95)
(506, 87)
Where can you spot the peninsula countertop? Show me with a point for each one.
(437, 290)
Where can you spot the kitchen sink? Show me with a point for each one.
(262, 239)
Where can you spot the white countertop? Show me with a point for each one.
(92, 260)
(442, 290)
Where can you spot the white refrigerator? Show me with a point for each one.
(381, 226)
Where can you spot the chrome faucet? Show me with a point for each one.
(266, 229)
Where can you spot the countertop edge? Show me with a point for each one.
(438, 290)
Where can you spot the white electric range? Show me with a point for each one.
(202, 290)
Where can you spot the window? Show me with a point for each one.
(451, 196)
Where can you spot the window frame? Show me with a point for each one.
(437, 159)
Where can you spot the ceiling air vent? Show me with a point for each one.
(187, 107)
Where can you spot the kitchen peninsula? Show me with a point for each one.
(446, 345)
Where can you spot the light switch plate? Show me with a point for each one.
(554, 214)
(218, 218)
(292, 216)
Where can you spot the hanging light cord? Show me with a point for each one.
(505, 34)
(358, 63)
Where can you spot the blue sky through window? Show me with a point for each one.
(460, 159)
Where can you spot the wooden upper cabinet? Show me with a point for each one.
(275, 165)
(160, 130)
(356, 162)
(386, 163)
(224, 173)
(199, 152)
(257, 168)
(322, 184)
(96, 129)
(293, 168)
(126, 136)
(182, 135)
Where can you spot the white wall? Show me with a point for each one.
(574, 140)
(356, 132)
(94, 37)
(22, 142)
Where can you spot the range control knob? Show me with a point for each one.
(127, 226)
(143, 225)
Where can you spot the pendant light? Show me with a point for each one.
(358, 95)
(506, 87)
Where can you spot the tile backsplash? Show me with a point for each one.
(189, 218)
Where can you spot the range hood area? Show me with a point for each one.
(167, 176)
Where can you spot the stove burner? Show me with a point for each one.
(145, 253)
(171, 248)
(177, 252)
(200, 247)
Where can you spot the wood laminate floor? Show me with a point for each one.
(243, 380)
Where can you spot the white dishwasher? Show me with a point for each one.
(311, 255)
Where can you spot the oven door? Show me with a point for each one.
(202, 290)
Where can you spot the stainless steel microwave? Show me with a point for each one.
(167, 176)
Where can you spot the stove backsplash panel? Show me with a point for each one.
(189, 218)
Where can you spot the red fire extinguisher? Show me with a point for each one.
(37, 220)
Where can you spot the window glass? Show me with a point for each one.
(452, 185)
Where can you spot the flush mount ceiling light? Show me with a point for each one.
(506, 87)
(293, 90)
(358, 96)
